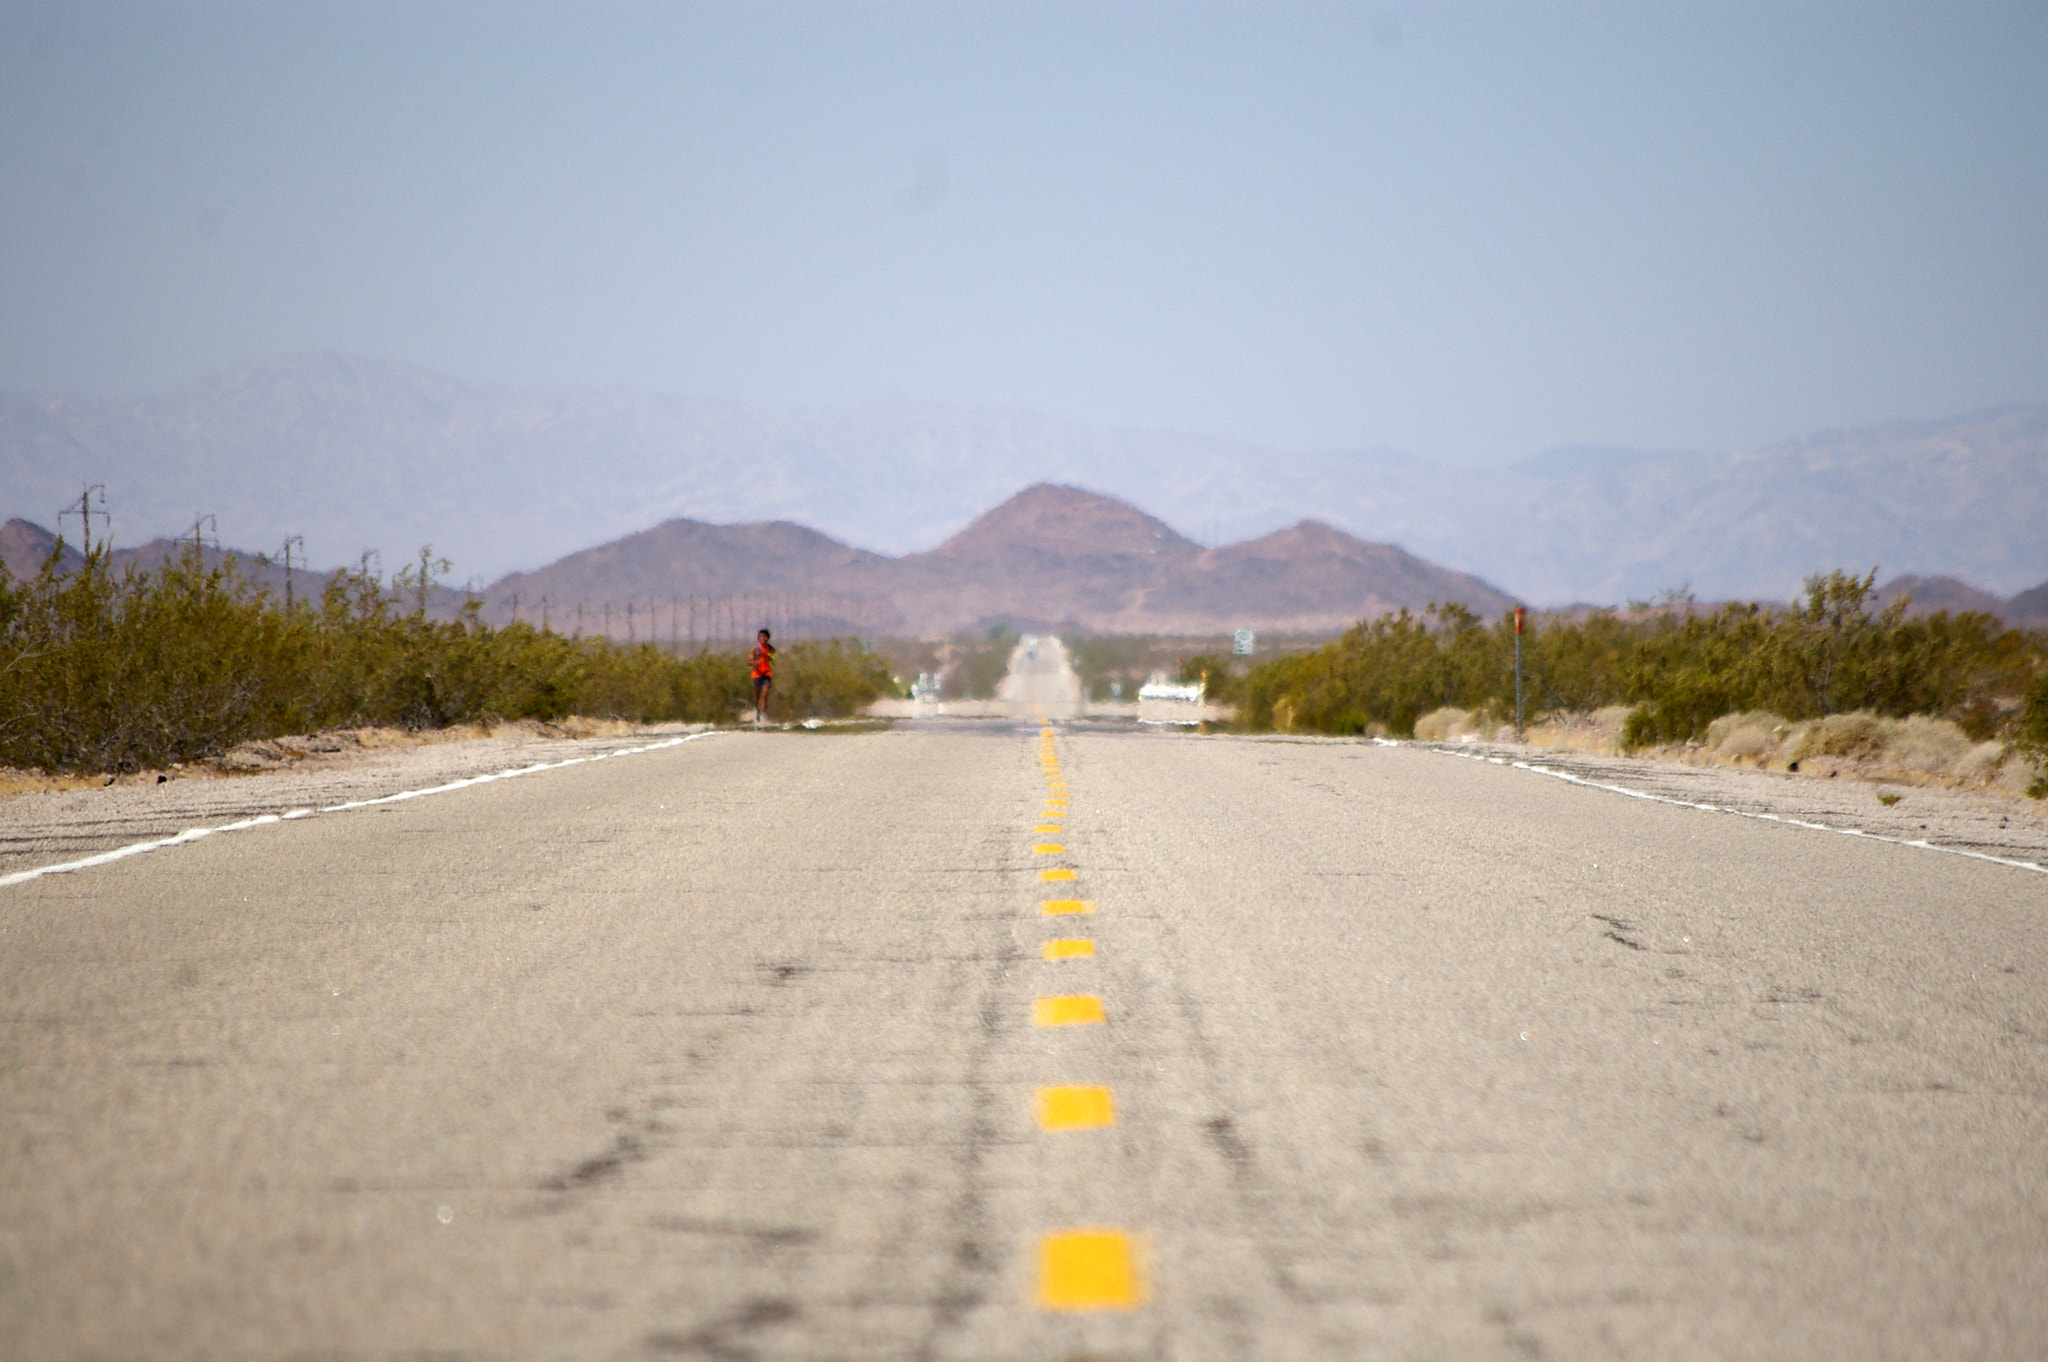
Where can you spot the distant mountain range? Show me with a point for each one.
(357, 454)
(1049, 558)
(25, 546)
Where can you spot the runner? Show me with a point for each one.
(764, 676)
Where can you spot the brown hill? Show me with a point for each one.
(25, 546)
(1932, 594)
(1048, 558)
(2029, 609)
(708, 581)
(1312, 577)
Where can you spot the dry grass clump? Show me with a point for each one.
(1598, 732)
(1748, 736)
(1450, 724)
(1917, 749)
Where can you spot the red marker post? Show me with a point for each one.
(1519, 614)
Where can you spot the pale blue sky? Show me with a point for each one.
(1469, 232)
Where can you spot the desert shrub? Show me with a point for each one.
(1679, 670)
(98, 673)
(1747, 736)
(1855, 736)
(1222, 676)
(827, 678)
(1450, 724)
(1386, 672)
(1939, 747)
(2032, 737)
(186, 660)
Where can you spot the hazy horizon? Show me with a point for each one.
(1471, 235)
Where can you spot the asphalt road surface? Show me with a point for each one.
(1041, 680)
(764, 1046)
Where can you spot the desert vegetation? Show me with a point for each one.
(107, 672)
(1826, 677)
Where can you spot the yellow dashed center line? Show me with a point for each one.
(1091, 1267)
(1088, 1269)
(1075, 1108)
(1071, 1009)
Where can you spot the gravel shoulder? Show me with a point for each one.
(50, 825)
(1986, 822)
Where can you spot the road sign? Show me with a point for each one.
(1244, 643)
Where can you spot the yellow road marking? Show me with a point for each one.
(1061, 907)
(1048, 849)
(1050, 875)
(1069, 948)
(1091, 1269)
(1047, 827)
(1075, 1108)
(1071, 1009)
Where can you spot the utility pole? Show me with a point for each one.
(289, 541)
(1518, 673)
(85, 514)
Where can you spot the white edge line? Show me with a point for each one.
(264, 820)
(1919, 844)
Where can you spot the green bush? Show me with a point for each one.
(105, 673)
(2033, 733)
(1679, 669)
(1222, 676)
(827, 678)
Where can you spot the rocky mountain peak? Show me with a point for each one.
(1068, 522)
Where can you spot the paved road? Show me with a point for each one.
(729, 1051)
(1041, 681)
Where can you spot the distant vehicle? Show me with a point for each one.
(1170, 704)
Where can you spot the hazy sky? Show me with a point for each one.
(1470, 232)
